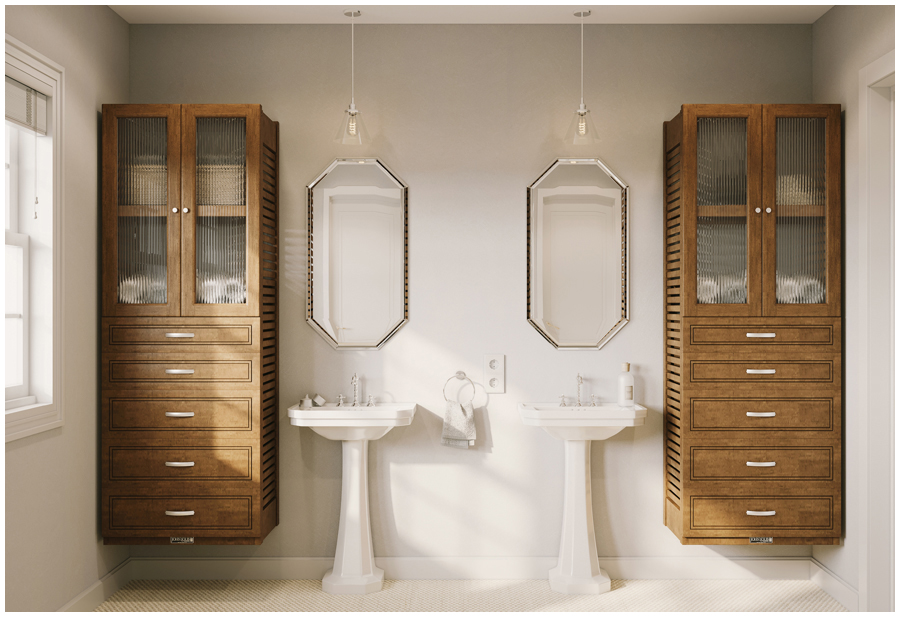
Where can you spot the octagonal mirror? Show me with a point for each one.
(577, 254)
(357, 294)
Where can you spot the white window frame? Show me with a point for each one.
(35, 70)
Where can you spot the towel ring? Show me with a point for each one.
(461, 376)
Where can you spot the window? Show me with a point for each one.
(33, 264)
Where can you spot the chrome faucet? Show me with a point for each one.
(579, 381)
(354, 381)
(562, 400)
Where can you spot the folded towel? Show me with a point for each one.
(459, 425)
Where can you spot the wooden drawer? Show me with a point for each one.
(768, 463)
(756, 371)
(126, 411)
(174, 463)
(801, 514)
(154, 371)
(149, 513)
(763, 414)
(174, 335)
(758, 335)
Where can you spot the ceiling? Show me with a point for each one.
(470, 14)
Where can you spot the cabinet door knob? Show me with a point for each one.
(185, 210)
(174, 209)
(768, 210)
(758, 210)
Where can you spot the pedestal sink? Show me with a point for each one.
(354, 569)
(578, 570)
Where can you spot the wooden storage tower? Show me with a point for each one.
(753, 324)
(189, 327)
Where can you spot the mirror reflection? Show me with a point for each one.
(357, 254)
(577, 261)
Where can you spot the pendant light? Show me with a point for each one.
(352, 130)
(581, 130)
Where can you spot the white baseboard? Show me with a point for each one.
(96, 594)
(448, 568)
(833, 585)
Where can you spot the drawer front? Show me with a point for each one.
(777, 335)
(175, 335)
(161, 463)
(761, 371)
(224, 512)
(127, 412)
(165, 373)
(802, 514)
(762, 414)
(773, 463)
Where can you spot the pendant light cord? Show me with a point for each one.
(352, 57)
(582, 58)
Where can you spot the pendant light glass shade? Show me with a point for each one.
(352, 130)
(582, 130)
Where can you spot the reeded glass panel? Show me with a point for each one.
(142, 208)
(221, 217)
(722, 210)
(800, 212)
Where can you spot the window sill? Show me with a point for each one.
(31, 419)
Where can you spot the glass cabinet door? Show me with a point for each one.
(801, 221)
(722, 265)
(141, 221)
(220, 167)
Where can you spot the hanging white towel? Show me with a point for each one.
(459, 425)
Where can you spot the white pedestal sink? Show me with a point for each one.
(578, 570)
(354, 569)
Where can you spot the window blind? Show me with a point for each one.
(26, 106)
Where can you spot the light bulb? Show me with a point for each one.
(582, 125)
(351, 125)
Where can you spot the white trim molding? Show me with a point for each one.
(876, 328)
(41, 73)
(833, 585)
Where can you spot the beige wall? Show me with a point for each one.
(846, 39)
(469, 116)
(53, 546)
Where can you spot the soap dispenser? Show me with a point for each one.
(626, 386)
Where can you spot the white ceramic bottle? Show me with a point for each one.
(626, 386)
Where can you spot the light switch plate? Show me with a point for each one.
(495, 373)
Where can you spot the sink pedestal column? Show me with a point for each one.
(578, 570)
(354, 569)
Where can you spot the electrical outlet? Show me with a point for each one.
(495, 373)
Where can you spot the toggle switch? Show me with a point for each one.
(495, 373)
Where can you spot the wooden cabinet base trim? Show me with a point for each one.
(776, 541)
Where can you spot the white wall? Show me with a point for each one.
(845, 40)
(53, 545)
(469, 116)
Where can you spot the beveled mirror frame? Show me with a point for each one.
(531, 204)
(404, 197)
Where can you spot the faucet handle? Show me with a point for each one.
(593, 402)
(562, 400)
(370, 402)
(340, 402)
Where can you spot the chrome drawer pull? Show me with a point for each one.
(760, 414)
(191, 335)
(755, 513)
(191, 464)
(190, 513)
(749, 464)
(190, 371)
(179, 414)
(760, 371)
(760, 335)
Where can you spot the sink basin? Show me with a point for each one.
(347, 423)
(582, 423)
(578, 569)
(354, 570)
